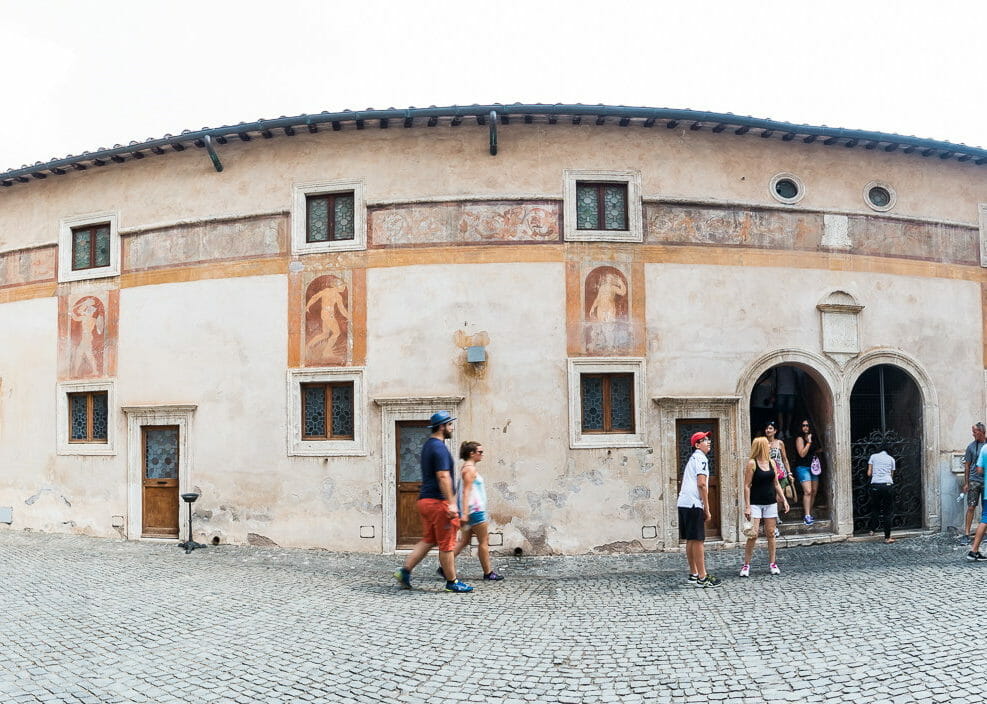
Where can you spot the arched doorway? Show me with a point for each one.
(886, 411)
(787, 394)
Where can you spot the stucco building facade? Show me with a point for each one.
(264, 315)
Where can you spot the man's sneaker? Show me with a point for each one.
(693, 578)
(774, 568)
(745, 571)
(458, 587)
(492, 576)
(975, 556)
(808, 520)
(709, 581)
(404, 578)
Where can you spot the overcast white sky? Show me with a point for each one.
(82, 75)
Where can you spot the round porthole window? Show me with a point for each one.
(787, 188)
(879, 196)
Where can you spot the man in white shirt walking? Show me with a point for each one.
(693, 506)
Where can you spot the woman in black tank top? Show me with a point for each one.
(762, 494)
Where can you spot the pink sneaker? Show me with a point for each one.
(774, 568)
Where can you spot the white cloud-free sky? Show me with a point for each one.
(82, 75)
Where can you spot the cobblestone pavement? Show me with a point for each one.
(92, 620)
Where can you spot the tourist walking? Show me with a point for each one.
(975, 553)
(779, 458)
(437, 507)
(693, 508)
(808, 468)
(762, 494)
(473, 508)
(880, 469)
(973, 476)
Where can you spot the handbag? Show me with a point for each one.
(780, 469)
(815, 467)
(789, 492)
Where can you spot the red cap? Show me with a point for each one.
(696, 437)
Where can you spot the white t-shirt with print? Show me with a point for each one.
(689, 493)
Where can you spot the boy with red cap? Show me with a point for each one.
(694, 511)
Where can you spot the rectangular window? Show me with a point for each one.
(327, 411)
(90, 246)
(330, 217)
(601, 206)
(607, 402)
(88, 414)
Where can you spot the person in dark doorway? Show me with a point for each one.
(808, 450)
(693, 506)
(880, 469)
(973, 480)
(786, 386)
(473, 507)
(437, 507)
(779, 458)
(762, 494)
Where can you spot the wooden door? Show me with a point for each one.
(409, 435)
(159, 505)
(684, 428)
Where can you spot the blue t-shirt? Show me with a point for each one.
(435, 458)
(981, 462)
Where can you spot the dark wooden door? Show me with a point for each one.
(684, 428)
(409, 436)
(159, 452)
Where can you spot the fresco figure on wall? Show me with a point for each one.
(87, 327)
(541, 224)
(327, 317)
(607, 327)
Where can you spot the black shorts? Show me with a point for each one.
(692, 523)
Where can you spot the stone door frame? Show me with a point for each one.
(393, 410)
(725, 410)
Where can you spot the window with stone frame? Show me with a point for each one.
(330, 217)
(601, 206)
(91, 246)
(88, 417)
(607, 403)
(327, 411)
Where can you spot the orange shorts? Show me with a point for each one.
(437, 527)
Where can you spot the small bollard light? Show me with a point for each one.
(190, 544)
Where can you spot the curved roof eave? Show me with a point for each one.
(454, 115)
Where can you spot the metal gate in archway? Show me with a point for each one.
(886, 414)
(907, 453)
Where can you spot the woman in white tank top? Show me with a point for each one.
(472, 496)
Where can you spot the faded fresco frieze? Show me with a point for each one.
(87, 334)
(952, 244)
(464, 222)
(212, 241)
(773, 229)
(27, 266)
(605, 308)
(327, 321)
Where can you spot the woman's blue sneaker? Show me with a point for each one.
(458, 587)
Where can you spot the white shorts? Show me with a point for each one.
(764, 510)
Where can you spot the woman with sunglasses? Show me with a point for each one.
(779, 458)
(473, 507)
(807, 446)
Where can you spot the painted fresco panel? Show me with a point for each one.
(888, 237)
(327, 316)
(27, 266)
(452, 223)
(605, 308)
(87, 339)
(184, 244)
(772, 229)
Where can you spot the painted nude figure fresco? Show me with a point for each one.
(606, 312)
(327, 315)
(88, 324)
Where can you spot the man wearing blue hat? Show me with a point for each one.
(437, 507)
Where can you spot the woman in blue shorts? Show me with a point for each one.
(807, 447)
(472, 497)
